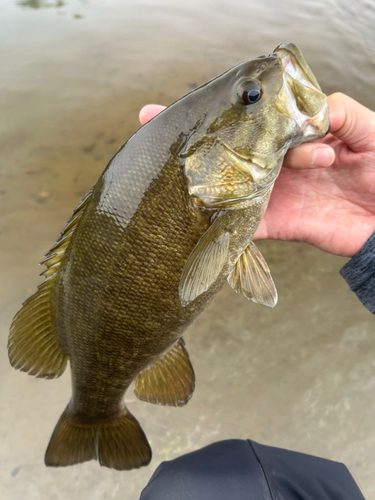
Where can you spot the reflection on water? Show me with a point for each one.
(70, 91)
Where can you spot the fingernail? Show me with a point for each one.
(323, 157)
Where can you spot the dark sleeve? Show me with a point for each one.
(359, 273)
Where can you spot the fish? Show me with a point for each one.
(169, 221)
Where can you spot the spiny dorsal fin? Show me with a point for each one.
(33, 345)
(204, 263)
(252, 278)
(54, 256)
(170, 381)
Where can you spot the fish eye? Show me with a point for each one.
(252, 93)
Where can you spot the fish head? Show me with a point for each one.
(255, 112)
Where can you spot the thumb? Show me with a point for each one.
(351, 122)
(309, 155)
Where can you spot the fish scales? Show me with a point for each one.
(140, 269)
(171, 218)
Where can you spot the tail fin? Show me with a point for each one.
(117, 442)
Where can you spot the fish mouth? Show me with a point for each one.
(301, 96)
(296, 66)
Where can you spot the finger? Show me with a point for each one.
(149, 111)
(351, 122)
(309, 155)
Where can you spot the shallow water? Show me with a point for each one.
(74, 76)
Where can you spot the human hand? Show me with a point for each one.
(328, 202)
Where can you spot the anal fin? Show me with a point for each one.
(170, 381)
(252, 278)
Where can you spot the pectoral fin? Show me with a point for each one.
(204, 263)
(252, 278)
(170, 381)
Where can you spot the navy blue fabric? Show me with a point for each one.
(359, 273)
(293, 476)
(245, 470)
(227, 470)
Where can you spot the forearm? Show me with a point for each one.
(359, 273)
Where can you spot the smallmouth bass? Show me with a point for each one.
(171, 218)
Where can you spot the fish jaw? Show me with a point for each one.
(301, 97)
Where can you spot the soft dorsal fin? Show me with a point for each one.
(252, 278)
(33, 345)
(204, 263)
(170, 381)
